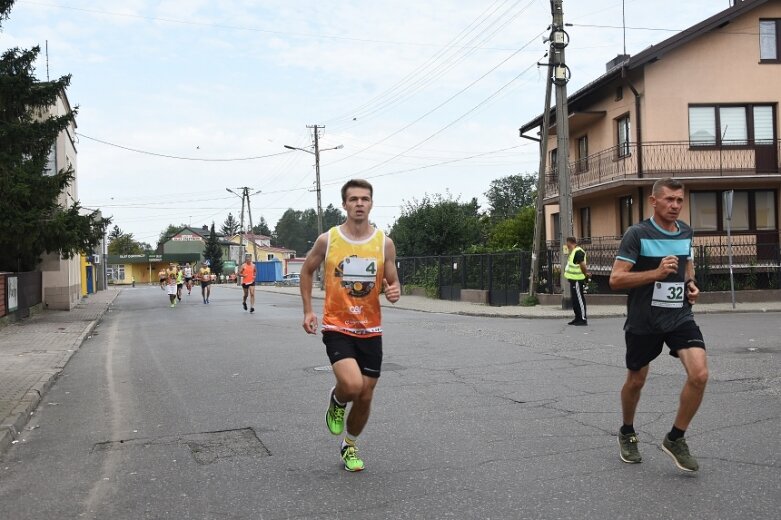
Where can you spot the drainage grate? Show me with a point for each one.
(206, 448)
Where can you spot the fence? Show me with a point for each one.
(505, 275)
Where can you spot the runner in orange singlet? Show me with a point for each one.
(360, 262)
(248, 274)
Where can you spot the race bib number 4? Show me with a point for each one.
(359, 269)
(668, 294)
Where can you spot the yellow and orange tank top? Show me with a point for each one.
(353, 281)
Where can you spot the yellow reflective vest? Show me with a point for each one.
(573, 271)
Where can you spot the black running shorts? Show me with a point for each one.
(367, 352)
(641, 349)
(248, 285)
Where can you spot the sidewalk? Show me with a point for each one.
(33, 353)
(423, 304)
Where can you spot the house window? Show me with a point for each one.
(769, 45)
(582, 154)
(765, 210)
(752, 210)
(554, 171)
(120, 272)
(763, 124)
(739, 211)
(704, 211)
(585, 222)
(623, 136)
(731, 125)
(625, 212)
(555, 226)
(269, 257)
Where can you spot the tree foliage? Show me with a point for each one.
(213, 252)
(123, 243)
(436, 225)
(514, 233)
(261, 228)
(33, 221)
(169, 232)
(298, 229)
(508, 195)
(231, 226)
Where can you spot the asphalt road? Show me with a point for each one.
(208, 412)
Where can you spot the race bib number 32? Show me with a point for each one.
(668, 294)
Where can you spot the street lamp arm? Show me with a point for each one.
(296, 148)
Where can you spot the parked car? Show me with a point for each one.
(290, 279)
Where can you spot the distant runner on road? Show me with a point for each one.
(205, 277)
(248, 274)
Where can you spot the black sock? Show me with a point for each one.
(627, 429)
(675, 434)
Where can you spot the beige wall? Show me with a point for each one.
(719, 67)
(62, 278)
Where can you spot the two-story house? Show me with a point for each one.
(702, 107)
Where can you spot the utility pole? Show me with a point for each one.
(316, 129)
(561, 75)
(316, 153)
(539, 218)
(251, 227)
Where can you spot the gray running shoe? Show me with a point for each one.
(679, 451)
(629, 453)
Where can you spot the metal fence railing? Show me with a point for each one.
(505, 275)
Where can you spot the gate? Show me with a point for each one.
(508, 277)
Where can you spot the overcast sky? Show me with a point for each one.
(425, 97)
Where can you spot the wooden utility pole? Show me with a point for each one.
(316, 130)
(539, 218)
(561, 75)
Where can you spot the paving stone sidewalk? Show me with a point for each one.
(34, 351)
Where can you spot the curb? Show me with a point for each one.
(11, 427)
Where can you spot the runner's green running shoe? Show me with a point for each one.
(679, 451)
(334, 415)
(627, 443)
(351, 460)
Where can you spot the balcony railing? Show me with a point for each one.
(667, 159)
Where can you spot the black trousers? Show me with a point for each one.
(578, 299)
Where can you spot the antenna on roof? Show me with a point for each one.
(623, 21)
(47, 60)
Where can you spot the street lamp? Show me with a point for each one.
(316, 153)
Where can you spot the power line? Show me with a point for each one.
(448, 100)
(662, 29)
(200, 159)
(247, 28)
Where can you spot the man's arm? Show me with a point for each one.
(692, 291)
(313, 260)
(390, 281)
(622, 278)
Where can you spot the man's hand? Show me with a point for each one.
(692, 293)
(310, 323)
(392, 292)
(668, 266)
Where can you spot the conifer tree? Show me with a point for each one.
(212, 251)
(32, 219)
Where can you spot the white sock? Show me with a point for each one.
(349, 439)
